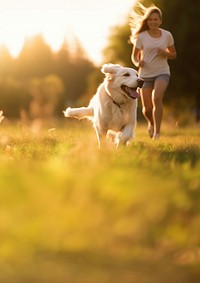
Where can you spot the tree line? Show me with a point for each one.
(41, 82)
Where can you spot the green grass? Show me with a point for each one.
(72, 213)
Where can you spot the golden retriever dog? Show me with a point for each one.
(113, 108)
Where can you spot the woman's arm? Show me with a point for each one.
(135, 57)
(170, 52)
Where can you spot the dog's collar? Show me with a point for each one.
(114, 101)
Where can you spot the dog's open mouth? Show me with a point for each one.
(130, 91)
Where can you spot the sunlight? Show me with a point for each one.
(60, 20)
(56, 26)
(25, 23)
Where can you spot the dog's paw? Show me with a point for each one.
(67, 112)
(114, 137)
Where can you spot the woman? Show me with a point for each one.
(152, 47)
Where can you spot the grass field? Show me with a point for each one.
(71, 213)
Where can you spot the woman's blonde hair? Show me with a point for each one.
(138, 20)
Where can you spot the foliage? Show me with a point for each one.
(93, 81)
(118, 48)
(37, 62)
(14, 96)
(72, 213)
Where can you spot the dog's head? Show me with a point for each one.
(121, 80)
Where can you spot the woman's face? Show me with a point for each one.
(154, 21)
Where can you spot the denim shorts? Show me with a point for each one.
(149, 82)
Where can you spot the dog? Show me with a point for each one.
(113, 108)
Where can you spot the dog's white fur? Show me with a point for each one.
(112, 110)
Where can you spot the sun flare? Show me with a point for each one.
(20, 24)
(58, 21)
(56, 26)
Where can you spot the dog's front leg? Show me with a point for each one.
(98, 137)
(126, 135)
(101, 137)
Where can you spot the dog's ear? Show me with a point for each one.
(110, 68)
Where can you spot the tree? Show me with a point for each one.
(74, 69)
(6, 61)
(182, 19)
(65, 74)
(35, 58)
(118, 49)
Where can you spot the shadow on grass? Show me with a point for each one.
(95, 268)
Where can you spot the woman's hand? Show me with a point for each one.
(162, 52)
(170, 53)
(141, 63)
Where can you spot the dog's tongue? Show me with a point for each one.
(132, 92)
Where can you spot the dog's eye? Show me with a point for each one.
(126, 75)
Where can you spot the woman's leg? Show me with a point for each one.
(147, 107)
(157, 98)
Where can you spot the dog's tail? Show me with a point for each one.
(79, 113)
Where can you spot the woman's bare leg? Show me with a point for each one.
(147, 108)
(157, 98)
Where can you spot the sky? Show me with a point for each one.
(88, 20)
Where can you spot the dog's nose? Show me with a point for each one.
(140, 82)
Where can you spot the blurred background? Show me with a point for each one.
(46, 65)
